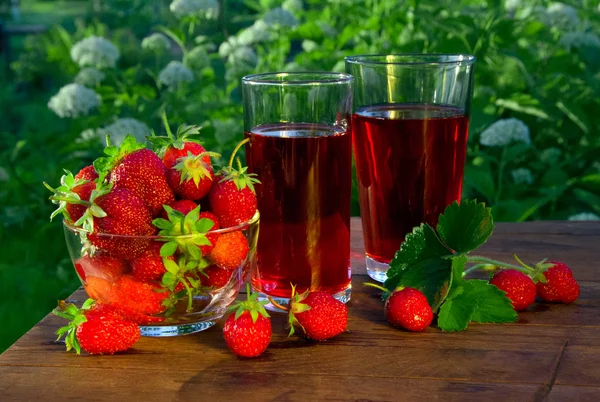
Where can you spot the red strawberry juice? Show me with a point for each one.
(409, 164)
(304, 203)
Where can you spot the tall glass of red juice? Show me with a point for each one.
(300, 147)
(410, 126)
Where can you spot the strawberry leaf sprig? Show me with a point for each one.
(434, 263)
(183, 233)
(64, 194)
(184, 134)
(76, 317)
(181, 279)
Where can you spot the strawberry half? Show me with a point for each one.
(232, 196)
(96, 328)
(138, 170)
(248, 331)
(319, 314)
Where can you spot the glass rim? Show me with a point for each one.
(241, 226)
(326, 77)
(410, 59)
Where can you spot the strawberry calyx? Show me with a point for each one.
(239, 176)
(64, 194)
(193, 167)
(296, 307)
(76, 317)
(185, 233)
(184, 134)
(183, 272)
(114, 154)
(252, 305)
(93, 210)
(535, 272)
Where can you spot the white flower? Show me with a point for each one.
(504, 132)
(522, 176)
(226, 130)
(280, 17)
(156, 42)
(584, 216)
(561, 16)
(121, 128)
(293, 6)
(96, 52)
(327, 29)
(580, 39)
(511, 5)
(174, 74)
(293, 67)
(208, 9)
(197, 58)
(243, 55)
(228, 46)
(74, 100)
(550, 155)
(89, 77)
(309, 45)
(87, 135)
(340, 67)
(258, 32)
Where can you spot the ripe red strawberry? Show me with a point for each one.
(172, 147)
(87, 173)
(138, 170)
(230, 250)
(408, 308)
(183, 206)
(150, 266)
(100, 265)
(519, 287)
(320, 315)
(560, 287)
(117, 211)
(191, 177)
(248, 331)
(232, 196)
(96, 328)
(142, 297)
(215, 277)
(72, 195)
(100, 289)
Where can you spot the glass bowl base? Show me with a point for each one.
(175, 330)
(343, 296)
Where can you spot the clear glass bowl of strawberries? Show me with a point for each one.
(159, 234)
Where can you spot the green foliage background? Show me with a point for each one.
(536, 62)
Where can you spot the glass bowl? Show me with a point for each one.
(135, 283)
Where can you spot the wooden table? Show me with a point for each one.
(551, 353)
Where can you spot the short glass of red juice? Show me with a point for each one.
(300, 147)
(410, 127)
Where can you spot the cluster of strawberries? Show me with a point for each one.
(147, 247)
(553, 282)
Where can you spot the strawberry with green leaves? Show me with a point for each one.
(137, 169)
(232, 196)
(194, 225)
(408, 308)
(183, 206)
(87, 173)
(248, 331)
(98, 329)
(558, 284)
(191, 178)
(72, 190)
(320, 315)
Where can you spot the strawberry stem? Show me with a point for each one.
(488, 261)
(279, 306)
(237, 148)
(374, 285)
(166, 124)
(190, 296)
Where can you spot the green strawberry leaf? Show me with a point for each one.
(204, 225)
(492, 303)
(162, 223)
(420, 245)
(455, 314)
(466, 226)
(170, 266)
(432, 277)
(168, 249)
(194, 251)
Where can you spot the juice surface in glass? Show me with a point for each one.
(409, 163)
(303, 198)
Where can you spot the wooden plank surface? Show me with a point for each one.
(551, 353)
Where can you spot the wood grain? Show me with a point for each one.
(552, 352)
